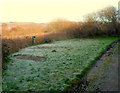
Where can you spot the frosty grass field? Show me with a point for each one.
(64, 62)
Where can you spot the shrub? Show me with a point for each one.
(5, 54)
(47, 40)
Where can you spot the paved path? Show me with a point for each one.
(104, 75)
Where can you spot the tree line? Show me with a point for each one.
(103, 23)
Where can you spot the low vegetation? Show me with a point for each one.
(64, 61)
(64, 64)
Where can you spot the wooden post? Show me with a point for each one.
(33, 40)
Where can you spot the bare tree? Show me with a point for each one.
(108, 16)
(104, 20)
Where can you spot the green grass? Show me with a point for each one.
(67, 62)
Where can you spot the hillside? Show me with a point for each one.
(53, 67)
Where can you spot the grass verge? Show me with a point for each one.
(64, 67)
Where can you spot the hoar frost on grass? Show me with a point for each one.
(68, 60)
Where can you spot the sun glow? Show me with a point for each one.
(46, 11)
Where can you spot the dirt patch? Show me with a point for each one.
(28, 57)
(40, 47)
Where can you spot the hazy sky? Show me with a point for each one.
(49, 10)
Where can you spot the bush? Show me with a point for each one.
(5, 54)
(47, 40)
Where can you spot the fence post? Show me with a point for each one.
(33, 39)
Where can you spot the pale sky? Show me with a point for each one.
(42, 11)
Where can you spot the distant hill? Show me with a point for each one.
(16, 29)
